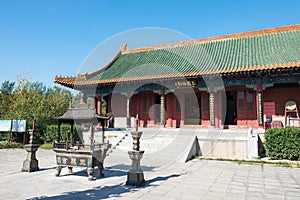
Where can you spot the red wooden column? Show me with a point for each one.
(220, 107)
(182, 106)
(205, 109)
(138, 107)
(259, 103)
(212, 107)
(169, 99)
(217, 109)
(99, 104)
(162, 107)
(141, 108)
(128, 119)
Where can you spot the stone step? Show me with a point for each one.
(160, 149)
(151, 144)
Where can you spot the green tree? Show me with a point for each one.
(34, 100)
(6, 92)
(57, 102)
(7, 88)
(28, 100)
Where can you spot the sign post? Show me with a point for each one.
(5, 126)
(13, 126)
(20, 127)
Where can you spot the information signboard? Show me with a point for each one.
(5, 125)
(19, 126)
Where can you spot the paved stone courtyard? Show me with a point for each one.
(197, 179)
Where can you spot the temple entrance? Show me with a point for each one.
(231, 108)
(192, 109)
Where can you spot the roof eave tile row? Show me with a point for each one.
(224, 68)
(80, 82)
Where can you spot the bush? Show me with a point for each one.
(5, 145)
(16, 137)
(47, 146)
(283, 143)
(49, 135)
(45, 134)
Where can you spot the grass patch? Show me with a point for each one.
(236, 160)
(283, 164)
(261, 162)
(47, 146)
(5, 145)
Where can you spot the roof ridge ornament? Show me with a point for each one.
(123, 47)
(82, 76)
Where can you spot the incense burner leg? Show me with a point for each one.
(100, 169)
(58, 170)
(90, 171)
(70, 170)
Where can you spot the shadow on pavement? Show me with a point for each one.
(46, 168)
(107, 191)
(113, 171)
(125, 167)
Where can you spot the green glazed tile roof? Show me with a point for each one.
(252, 51)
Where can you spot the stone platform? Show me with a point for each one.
(196, 179)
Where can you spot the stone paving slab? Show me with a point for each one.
(197, 179)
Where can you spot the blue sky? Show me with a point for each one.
(43, 38)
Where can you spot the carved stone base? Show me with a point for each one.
(90, 172)
(135, 179)
(135, 176)
(31, 164)
(58, 170)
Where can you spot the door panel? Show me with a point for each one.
(246, 105)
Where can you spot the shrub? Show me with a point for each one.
(46, 146)
(4, 145)
(49, 135)
(283, 143)
(16, 137)
(45, 134)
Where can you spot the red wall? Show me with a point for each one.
(118, 105)
(280, 95)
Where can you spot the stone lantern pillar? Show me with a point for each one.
(135, 176)
(31, 164)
